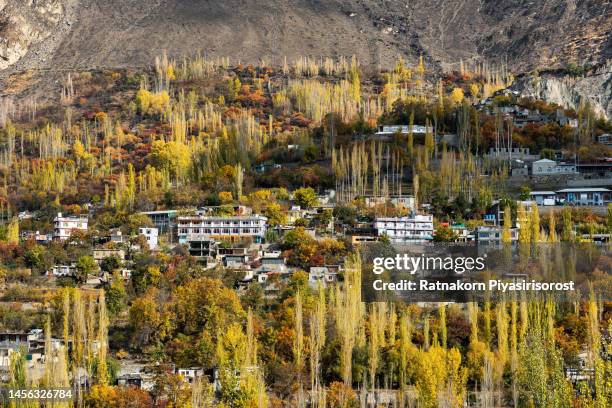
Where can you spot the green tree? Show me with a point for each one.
(85, 266)
(567, 233)
(525, 193)
(115, 294)
(110, 264)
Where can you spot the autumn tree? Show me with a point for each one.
(171, 156)
(305, 197)
(457, 96)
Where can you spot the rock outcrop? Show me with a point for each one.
(569, 91)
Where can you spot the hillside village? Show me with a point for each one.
(171, 219)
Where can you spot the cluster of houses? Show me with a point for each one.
(522, 117)
(524, 164)
(32, 343)
(239, 241)
(589, 196)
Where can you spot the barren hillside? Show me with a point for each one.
(93, 33)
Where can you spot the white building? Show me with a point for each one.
(190, 374)
(151, 234)
(605, 139)
(404, 129)
(117, 236)
(100, 253)
(494, 235)
(222, 228)
(544, 197)
(514, 153)
(323, 274)
(63, 226)
(272, 263)
(547, 167)
(415, 228)
(62, 270)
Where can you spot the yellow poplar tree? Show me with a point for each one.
(524, 224)
(534, 223)
(506, 237)
(12, 232)
(457, 96)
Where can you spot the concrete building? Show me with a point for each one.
(495, 214)
(544, 197)
(547, 167)
(323, 274)
(163, 220)
(190, 374)
(32, 343)
(273, 263)
(100, 253)
(234, 228)
(37, 236)
(493, 235)
(151, 234)
(564, 120)
(416, 228)
(403, 129)
(62, 270)
(117, 236)
(202, 247)
(515, 153)
(64, 226)
(235, 257)
(585, 196)
(605, 139)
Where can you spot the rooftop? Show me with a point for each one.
(584, 190)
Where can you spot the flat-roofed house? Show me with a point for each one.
(544, 197)
(547, 167)
(416, 228)
(233, 228)
(64, 226)
(584, 196)
(151, 234)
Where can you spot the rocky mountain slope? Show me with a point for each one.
(91, 33)
(568, 91)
